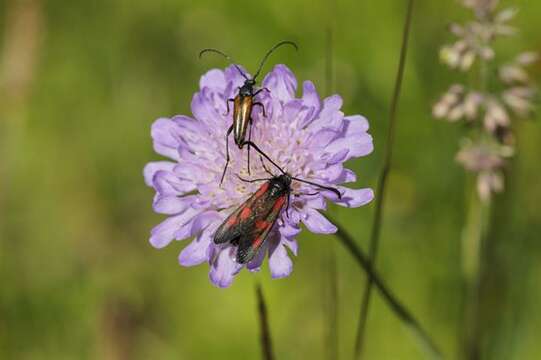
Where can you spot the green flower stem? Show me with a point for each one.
(390, 299)
(380, 191)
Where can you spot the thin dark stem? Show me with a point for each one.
(264, 328)
(380, 192)
(396, 306)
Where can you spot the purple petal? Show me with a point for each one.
(153, 167)
(167, 183)
(193, 173)
(322, 138)
(339, 157)
(257, 261)
(330, 173)
(330, 116)
(205, 219)
(280, 264)
(317, 223)
(289, 230)
(291, 244)
(282, 83)
(205, 111)
(345, 176)
(224, 268)
(357, 145)
(165, 134)
(213, 79)
(195, 224)
(355, 138)
(172, 204)
(358, 124)
(193, 133)
(351, 197)
(310, 98)
(315, 202)
(164, 233)
(233, 75)
(197, 251)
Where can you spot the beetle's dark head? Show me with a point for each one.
(248, 88)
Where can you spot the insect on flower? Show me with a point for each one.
(249, 225)
(306, 135)
(243, 104)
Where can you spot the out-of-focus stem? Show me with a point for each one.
(330, 263)
(380, 191)
(390, 299)
(473, 237)
(472, 255)
(264, 328)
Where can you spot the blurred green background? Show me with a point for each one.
(82, 81)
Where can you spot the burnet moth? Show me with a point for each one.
(249, 225)
(243, 104)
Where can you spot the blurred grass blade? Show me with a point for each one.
(264, 329)
(396, 306)
(380, 191)
(331, 265)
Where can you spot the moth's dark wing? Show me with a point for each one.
(230, 229)
(254, 237)
(235, 223)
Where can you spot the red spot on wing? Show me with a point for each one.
(257, 242)
(245, 213)
(261, 225)
(232, 221)
(262, 189)
(279, 203)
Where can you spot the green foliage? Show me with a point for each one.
(78, 277)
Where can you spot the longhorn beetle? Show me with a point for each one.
(243, 104)
(250, 224)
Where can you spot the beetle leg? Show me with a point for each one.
(260, 90)
(227, 104)
(226, 153)
(249, 140)
(262, 107)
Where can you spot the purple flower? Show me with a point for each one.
(307, 137)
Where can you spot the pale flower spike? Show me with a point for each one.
(489, 110)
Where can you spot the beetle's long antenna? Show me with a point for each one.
(334, 190)
(270, 52)
(225, 56)
(264, 155)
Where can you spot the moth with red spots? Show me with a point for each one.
(250, 224)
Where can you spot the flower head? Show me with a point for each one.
(488, 105)
(487, 159)
(307, 137)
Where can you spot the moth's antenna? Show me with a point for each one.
(264, 155)
(334, 190)
(225, 56)
(250, 181)
(270, 52)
